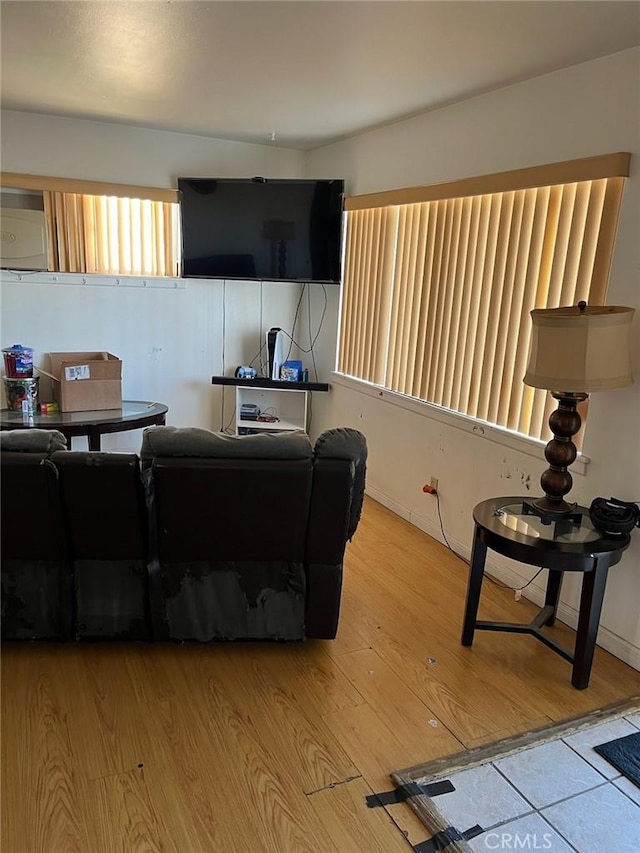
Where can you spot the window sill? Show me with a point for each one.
(482, 429)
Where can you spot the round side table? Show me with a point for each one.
(504, 525)
(133, 414)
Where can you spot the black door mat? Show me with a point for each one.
(624, 754)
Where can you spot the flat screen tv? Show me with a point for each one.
(261, 228)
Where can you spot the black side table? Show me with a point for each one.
(502, 525)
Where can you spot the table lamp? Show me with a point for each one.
(574, 351)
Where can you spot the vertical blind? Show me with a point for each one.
(109, 234)
(437, 293)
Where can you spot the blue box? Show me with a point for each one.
(291, 371)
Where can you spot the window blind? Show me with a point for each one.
(110, 234)
(437, 292)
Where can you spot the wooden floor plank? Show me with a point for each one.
(392, 723)
(41, 784)
(284, 723)
(107, 719)
(475, 699)
(124, 818)
(352, 826)
(273, 747)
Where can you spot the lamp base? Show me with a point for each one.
(564, 516)
(560, 452)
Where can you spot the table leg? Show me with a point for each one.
(94, 439)
(591, 596)
(554, 582)
(476, 574)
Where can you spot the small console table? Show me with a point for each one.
(502, 525)
(287, 401)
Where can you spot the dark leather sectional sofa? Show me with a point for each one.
(202, 536)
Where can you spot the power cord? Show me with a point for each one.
(319, 329)
(224, 336)
(295, 320)
(313, 358)
(260, 355)
(228, 429)
(468, 562)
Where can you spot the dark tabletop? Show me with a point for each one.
(133, 412)
(507, 529)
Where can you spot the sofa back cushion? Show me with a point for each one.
(36, 578)
(230, 509)
(32, 440)
(168, 441)
(228, 497)
(106, 523)
(103, 504)
(32, 527)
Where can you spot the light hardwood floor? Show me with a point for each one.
(261, 747)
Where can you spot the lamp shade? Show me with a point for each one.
(580, 348)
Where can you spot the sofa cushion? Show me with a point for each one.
(195, 441)
(33, 440)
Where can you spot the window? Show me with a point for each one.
(106, 228)
(439, 282)
(106, 234)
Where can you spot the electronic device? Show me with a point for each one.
(613, 516)
(261, 228)
(276, 342)
(249, 412)
(246, 372)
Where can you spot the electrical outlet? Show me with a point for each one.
(434, 483)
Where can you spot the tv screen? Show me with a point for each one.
(261, 228)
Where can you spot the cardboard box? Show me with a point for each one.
(86, 381)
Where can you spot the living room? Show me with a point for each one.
(173, 339)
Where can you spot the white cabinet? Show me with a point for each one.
(286, 402)
(287, 406)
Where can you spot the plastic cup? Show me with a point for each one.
(18, 362)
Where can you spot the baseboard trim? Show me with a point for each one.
(503, 572)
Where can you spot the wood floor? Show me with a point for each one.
(224, 748)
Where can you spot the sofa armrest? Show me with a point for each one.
(350, 445)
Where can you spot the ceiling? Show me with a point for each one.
(297, 73)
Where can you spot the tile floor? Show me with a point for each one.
(559, 797)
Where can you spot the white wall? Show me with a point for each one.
(100, 151)
(590, 109)
(170, 340)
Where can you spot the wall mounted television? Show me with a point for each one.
(261, 228)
